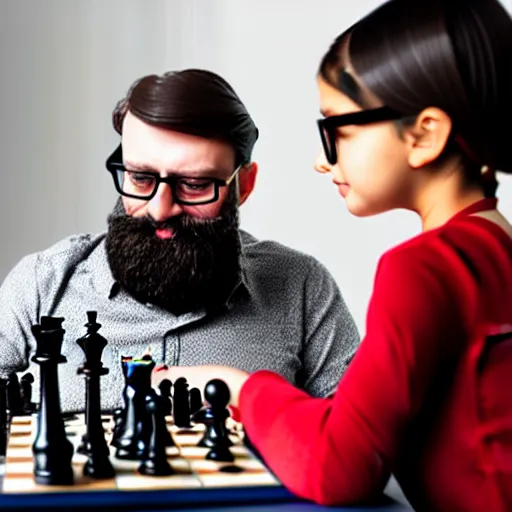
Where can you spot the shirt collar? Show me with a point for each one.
(241, 289)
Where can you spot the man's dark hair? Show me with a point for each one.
(192, 101)
(450, 54)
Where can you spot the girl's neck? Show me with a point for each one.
(444, 197)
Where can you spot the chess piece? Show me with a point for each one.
(4, 418)
(121, 414)
(181, 404)
(131, 435)
(147, 355)
(118, 419)
(14, 400)
(26, 382)
(166, 404)
(196, 402)
(216, 437)
(155, 459)
(165, 392)
(52, 450)
(98, 463)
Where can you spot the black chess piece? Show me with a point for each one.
(14, 399)
(205, 416)
(147, 355)
(4, 418)
(26, 382)
(181, 404)
(216, 437)
(52, 450)
(165, 392)
(166, 403)
(155, 459)
(131, 435)
(98, 463)
(196, 401)
(118, 419)
(121, 414)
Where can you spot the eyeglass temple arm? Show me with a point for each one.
(232, 177)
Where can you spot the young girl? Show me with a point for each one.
(417, 99)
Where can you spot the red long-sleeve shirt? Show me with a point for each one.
(428, 395)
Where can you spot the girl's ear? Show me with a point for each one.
(428, 137)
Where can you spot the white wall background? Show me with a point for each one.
(65, 63)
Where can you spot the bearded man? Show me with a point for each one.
(174, 273)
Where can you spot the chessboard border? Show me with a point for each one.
(127, 499)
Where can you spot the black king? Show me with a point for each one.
(94, 445)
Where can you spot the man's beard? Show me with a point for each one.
(198, 268)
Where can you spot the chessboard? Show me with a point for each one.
(194, 481)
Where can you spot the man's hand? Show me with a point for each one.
(198, 376)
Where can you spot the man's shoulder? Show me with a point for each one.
(274, 260)
(70, 250)
(57, 260)
(271, 251)
(41, 273)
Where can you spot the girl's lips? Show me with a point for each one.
(343, 187)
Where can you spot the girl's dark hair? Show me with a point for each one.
(193, 101)
(450, 54)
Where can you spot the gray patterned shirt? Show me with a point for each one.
(286, 315)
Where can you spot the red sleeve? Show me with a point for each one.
(339, 450)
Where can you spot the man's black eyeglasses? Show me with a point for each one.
(186, 190)
(328, 125)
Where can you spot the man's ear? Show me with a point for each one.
(246, 181)
(428, 137)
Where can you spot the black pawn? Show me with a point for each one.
(165, 405)
(98, 464)
(52, 449)
(196, 401)
(166, 402)
(118, 418)
(217, 395)
(165, 392)
(26, 382)
(220, 454)
(181, 404)
(14, 399)
(155, 461)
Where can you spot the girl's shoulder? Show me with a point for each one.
(463, 254)
(469, 236)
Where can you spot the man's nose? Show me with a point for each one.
(321, 163)
(162, 205)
